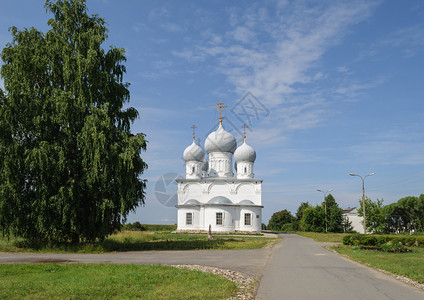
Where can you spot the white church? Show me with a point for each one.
(211, 194)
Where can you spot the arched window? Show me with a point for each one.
(192, 170)
(245, 170)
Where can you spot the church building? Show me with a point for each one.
(211, 194)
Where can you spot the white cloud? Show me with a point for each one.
(291, 48)
(171, 27)
(242, 34)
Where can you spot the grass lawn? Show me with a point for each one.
(105, 281)
(323, 237)
(409, 264)
(143, 240)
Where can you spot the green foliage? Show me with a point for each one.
(374, 215)
(335, 221)
(279, 219)
(346, 224)
(69, 164)
(405, 215)
(313, 219)
(159, 227)
(263, 227)
(288, 227)
(136, 226)
(377, 240)
(299, 215)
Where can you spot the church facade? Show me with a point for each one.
(212, 194)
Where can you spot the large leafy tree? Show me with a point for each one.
(334, 215)
(313, 218)
(405, 215)
(69, 164)
(299, 214)
(374, 214)
(279, 219)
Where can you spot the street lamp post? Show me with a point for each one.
(325, 205)
(363, 197)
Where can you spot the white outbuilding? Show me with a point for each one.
(211, 194)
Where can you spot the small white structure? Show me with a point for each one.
(353, 216)
(211, 194)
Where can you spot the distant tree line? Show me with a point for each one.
(312, 218)
(405, 215)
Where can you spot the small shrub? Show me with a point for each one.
(287, 227)
(136, 226)
(376, 240)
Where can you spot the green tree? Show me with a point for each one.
(69, 164)
(279, 219)
(405, 215)
(334, 215)
(313, 219)
(299, 214)
(375, 216)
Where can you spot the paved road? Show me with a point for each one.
(301, 269)
(250, 262)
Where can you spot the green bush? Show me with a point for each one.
(377, 240)
(159, 227)
(136, 226)
(288, 227)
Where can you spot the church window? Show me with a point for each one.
(247, 219)
(219, 218)
(189, 218)
(245, 170)
(192, 170)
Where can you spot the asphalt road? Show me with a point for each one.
(251, 262)
(302, 269)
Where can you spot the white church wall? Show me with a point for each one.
(182, 218)
(255, 219)
(227, 218)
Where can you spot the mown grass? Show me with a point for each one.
(141, 241)
(409, 264)
(106, 281)
(323, 237)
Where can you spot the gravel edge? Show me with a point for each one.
(246, 285)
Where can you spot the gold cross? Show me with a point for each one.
(244, 132)
(194, 136)
(220, 107)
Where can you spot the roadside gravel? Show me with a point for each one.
(246, 284)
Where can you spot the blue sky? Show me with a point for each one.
(338, 87)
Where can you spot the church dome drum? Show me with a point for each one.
(245, 153)
(194, 153)
(220, 141)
